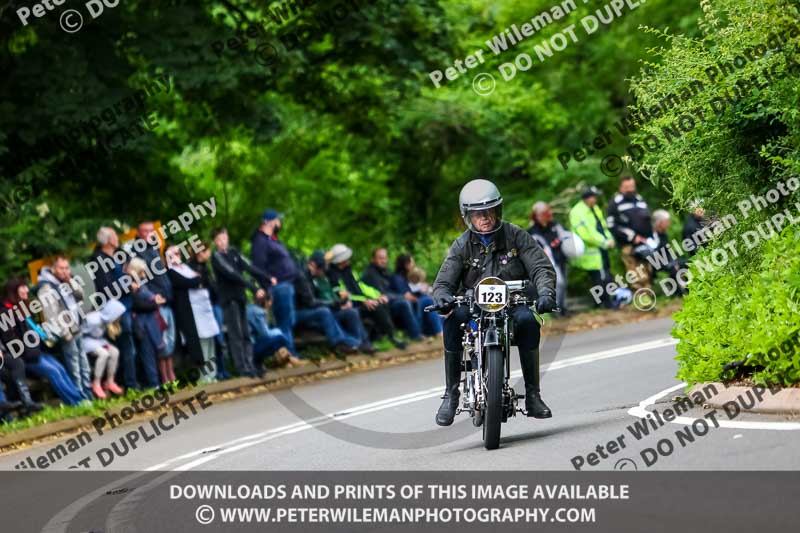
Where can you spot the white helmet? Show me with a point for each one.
(479, 195)
(572, 245)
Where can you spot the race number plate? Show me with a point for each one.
(492, 295)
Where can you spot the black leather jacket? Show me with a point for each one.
(512, 255)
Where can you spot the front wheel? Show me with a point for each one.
(494, 397)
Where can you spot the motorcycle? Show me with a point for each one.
(488, 336)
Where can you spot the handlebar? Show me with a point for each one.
(459, 300)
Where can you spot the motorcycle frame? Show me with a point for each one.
(476, 340)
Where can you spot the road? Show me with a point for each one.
(383, 420)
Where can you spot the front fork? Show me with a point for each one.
(473, 363)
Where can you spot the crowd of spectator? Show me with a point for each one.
(213, 309)
(226, 314)
(629, 225)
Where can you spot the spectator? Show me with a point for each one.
(200, 264)
(194, 317)
(149, 327)
(104, 281)
(370, 303)
(629, 222)
(419, 299)
(95, 341)
(661, 223)
(230, 268)
(377, 275)
(6, 407)
(268, 340)
(159, 283)
(696, 226)
(12, 373)
(417, 283)
(551, 233)
(587, 222)
(58, 303)
(272, 258)
(346, 314)
(38, 363)
(315, 314)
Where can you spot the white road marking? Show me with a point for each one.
(641, 411)
(61, 521)
(264, 436)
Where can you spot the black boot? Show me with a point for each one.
(8, 407)
(452, 375)
(534, 405)
(28, 405)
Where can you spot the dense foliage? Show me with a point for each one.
(749, 303)
(345, 133)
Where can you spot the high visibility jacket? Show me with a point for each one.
(585, 225)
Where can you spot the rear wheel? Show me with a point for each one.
(493, 417)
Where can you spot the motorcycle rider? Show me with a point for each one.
(492, 247)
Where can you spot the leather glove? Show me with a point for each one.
(445, 300)
(545, 304)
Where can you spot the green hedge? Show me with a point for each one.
(747, 308)
(749, 316)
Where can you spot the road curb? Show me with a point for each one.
(272, 379)
(284, 378)
(784, 402)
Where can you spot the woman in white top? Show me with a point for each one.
(194, 316)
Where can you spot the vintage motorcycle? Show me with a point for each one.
(488, 336)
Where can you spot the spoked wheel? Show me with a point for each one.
(493, 417)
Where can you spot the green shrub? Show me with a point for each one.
(748, 306)
(747, 316)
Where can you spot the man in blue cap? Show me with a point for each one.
(271, 256)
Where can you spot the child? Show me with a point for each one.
(416, 282)
(95, 341)
(149, 327)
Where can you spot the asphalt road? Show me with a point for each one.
(384, 420)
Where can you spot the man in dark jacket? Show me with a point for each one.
(313, 313)
(271, 257)
(696, 227)
(630, 224)
(230, 267)
(549, 231)
(371, 304)
(376, 275)
(343, 309)
(492, 247)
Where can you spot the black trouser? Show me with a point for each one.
(381, 319)
(13, 370)
(600, 278)
(241, 349)
(526, 329)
